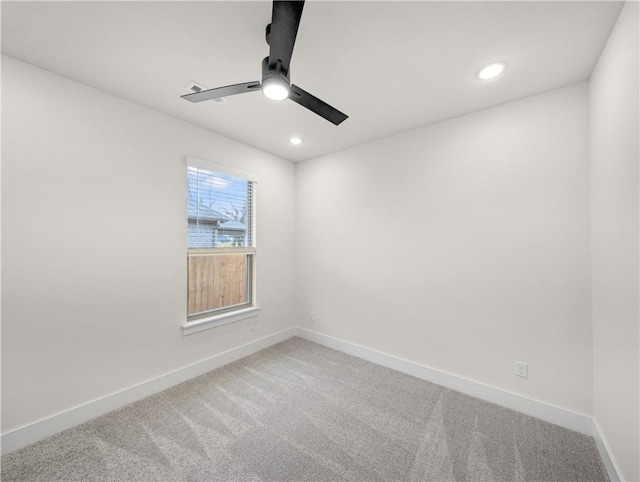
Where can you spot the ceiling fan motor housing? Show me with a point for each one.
(267, 34)
(276, 72)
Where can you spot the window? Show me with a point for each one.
(220, 248)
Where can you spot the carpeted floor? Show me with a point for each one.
(299, 411)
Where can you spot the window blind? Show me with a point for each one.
(220, 210)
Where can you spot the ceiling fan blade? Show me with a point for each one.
(305, 99)
(285, 19)
(225, 91)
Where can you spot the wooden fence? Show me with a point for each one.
(216, 280)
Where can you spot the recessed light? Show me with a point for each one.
(491, 70)
(296, 141)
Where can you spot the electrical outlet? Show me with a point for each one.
(253, 322)
(312, 316)
(522, 369)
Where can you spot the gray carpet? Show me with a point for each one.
(299, 411)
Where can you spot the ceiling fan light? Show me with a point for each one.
(274, 89)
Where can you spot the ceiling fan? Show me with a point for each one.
(280, 36)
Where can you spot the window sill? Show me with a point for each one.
(202, 324)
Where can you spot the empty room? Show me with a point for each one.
(320, 241)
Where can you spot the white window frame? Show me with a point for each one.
(233, 315)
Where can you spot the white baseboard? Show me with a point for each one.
(544, 411)
(615, 475)
(33, 432)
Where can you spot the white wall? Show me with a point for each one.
(462, 245)
(94, 243)
(615, 241)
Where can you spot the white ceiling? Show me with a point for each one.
(391, 66)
